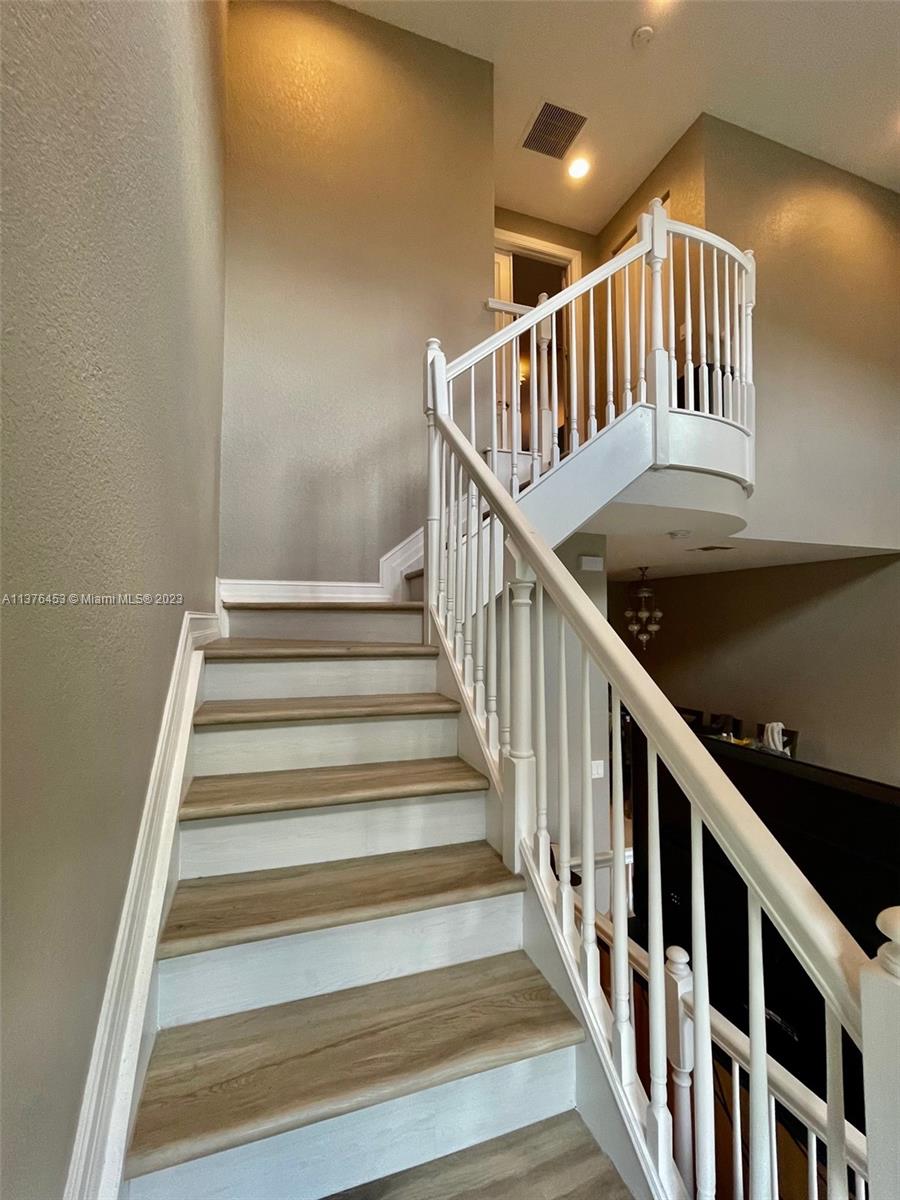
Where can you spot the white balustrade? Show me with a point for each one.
(490, 583)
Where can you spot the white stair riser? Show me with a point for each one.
(344, 1152)
(287, 839)
(224, 749)
(338, 626)
(317, 677)
(237, 978)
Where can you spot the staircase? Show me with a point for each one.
(343, 997)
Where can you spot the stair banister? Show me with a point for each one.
(828, 953)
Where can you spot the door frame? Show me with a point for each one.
(532, 247)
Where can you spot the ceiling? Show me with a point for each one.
(821, 77)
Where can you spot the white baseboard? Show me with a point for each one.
(95, 1168)
(404, 557)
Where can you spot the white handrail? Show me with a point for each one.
(816, 937)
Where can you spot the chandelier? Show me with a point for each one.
(642, 615)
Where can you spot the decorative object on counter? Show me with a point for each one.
(642, 615)
(773, 736)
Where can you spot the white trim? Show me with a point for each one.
(95, 1168)
(393, 565)
(567, 256)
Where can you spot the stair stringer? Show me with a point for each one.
(609, 1113)
(566, 497)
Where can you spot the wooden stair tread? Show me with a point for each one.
(262, 649)
(550, 1160)
(323, 708)
(317, 787)
(225, 910)
(328, 605)
(235, 1079)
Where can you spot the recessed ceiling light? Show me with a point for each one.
(579, 167)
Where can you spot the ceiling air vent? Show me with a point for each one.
(554, 131)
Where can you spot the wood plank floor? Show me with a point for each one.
(235, 1079)
(319, 787)
(552, 1160)
(224, 910)
(323, 708)
(246, 649)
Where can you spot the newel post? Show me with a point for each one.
(519, 768)
(880, 997)
(435, 400)
(680, 1044)
(657, 366)
(543, 340)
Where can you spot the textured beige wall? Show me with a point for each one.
(813, 645)
(359, 222)
(826, 344)
(112, 351)
(680, 175)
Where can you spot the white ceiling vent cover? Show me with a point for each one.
(554, 131)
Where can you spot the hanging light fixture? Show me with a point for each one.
(642, 615)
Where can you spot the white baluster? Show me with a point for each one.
(534, 434)
(590, 955)
(544, 337)
(519, 765)
(737, 385)
(812, 1166)
(506, 396)
(627, 397)
(717, 390)
(760, 1145)
(642, 334)
(565, 897)
(471, 538)
(478, 694)
(673, 346)
(452, 518)
(659, 1119)
(749, 389)
(592, 370)
(680, 1043)
(701, 300)
(442, 537)
(504, 668)
(773, 1148)
(542, 833)
(491, 722)
(623, 1030)
(727, 396)
(859, 1186)
(494, 414)
(704, 1101)
(516, 415)
(834, 1091)
(688, 331)
(554, 393)
(737, 1147)
(610, 357)
(433, 514)
(574, 441)
(459, 642)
